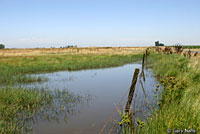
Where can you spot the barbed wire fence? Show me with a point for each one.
(130, 109)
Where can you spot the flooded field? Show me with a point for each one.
(105, 88)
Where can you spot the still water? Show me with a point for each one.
(106, 87)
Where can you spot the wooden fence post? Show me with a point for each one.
(146, 54)
(142, 72)
(132, 89)
(143, 60)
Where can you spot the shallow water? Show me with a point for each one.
(106, 86)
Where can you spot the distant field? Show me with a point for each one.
(61, 51)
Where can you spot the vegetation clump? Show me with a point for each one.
(178, 48)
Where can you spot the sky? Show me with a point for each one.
(55, 23)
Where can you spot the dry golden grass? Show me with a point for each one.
(195, 62)
(192, 50)
(88, 50)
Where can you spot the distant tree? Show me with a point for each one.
(2, 46)
(158, 44)
(161, 44)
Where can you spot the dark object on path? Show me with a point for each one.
(196, 53)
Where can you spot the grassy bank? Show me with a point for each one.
(180, 101)
(15, 69)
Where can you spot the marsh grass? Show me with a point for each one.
(20, 107)
(180, 100)
(17, 69)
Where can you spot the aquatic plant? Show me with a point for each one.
(125, 123)
(19, 107)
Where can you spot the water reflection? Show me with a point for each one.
(106, 86)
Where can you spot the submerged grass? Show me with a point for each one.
(180, 101)
(19, 107)
(14, 102)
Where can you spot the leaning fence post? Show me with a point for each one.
(132, 89)
(142, 73)
(146, 54)
(143, 60)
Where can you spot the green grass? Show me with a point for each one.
(191, 47)
(15, 69)
(180, 101)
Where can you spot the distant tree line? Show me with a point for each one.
(69, 46)
(157, 43)
(2, 46)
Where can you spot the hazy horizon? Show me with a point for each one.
(49, 23)
(65, 46)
